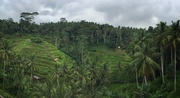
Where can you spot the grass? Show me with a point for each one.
(156, 88)
(168, 87)
(122, 90)
(5, 94)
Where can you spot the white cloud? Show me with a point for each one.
(154, 20)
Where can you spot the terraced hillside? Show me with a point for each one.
(46, 55)
(112, 57)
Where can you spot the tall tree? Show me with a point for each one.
(159, 39)
(27, 20)
(6, 51)
(31, 64)
(82, 44)
(136, 49)
(146, 66)
(105, 31)
(98, 33)
(173, 37)
(63, 19)
(29, 17)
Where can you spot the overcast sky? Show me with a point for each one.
(136, 13)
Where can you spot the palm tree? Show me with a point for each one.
(20, 80)
(118, 36)
(146, 66)
(143, 38)
(173, 37)
(6, 49)
(31, 64)
(56, 74)
(1, 36)
(159, 38)
(98, 33)
(136, 49)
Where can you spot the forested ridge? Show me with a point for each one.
(88, 60)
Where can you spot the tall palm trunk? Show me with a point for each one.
(137, 78)
(104, 41)
(145, 80)
(56, 43)
(162, 64)
(97, 42)
(175, 70)
(4, 71)
(92, 39)
(171, 56)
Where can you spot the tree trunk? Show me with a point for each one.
(82, 60)
(97, 38)
(56, 42)
(145, 80)
(117, 42)
(92, 39)
(162, 64)
(110, 36)
(137, 78)
(97, 42)
(171, 56)
(31, 76)
(104, 37)
(4, 71)
(175, 70)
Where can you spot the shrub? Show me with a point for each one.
(36, 40)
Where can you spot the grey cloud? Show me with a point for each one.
(56, 4)
(44, 12)
(115, 12)
(136, 12)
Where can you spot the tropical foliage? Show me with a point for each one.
(103, 61)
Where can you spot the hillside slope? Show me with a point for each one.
(46, 55)
(112, 57)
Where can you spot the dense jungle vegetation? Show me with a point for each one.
(88, 60)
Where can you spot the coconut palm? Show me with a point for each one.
(146, 66)
(98, 33)
(31, 64)
(20, 80)
(159, 38)
(56, 74)
(6, 50)
(1, 36)
(136, 49)
(173, 37)
(142, 38)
